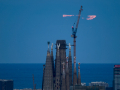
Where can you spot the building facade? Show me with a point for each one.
(79, 87)
(116, 77)
(6, 84)
(99, 84)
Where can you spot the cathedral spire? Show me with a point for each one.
(70, 66)
(74, 74)
(67, 75)
(63, 78)
(48, 51)
(52, 60)
(58, 46)
(48, 72)
(57, 69)
(79, 77)
(69, 49)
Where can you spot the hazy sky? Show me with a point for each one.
(27, 25)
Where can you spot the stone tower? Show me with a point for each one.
(52, 60)
(70, 65)
(62, 52)
(63, 78)
(57, 69)
(67, 75)
(48, 73)
(74, 74)
(79, 77)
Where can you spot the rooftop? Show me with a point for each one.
(117, 66)
(5, 80)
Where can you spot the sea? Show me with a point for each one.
(22, 74)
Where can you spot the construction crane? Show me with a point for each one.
(75, 31)
(74, 41)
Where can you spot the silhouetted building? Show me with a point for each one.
(67, 75)
(109, 88)
(116, 77)
(70, 67)
(56, 76)
(79, 87)
(99, 84)
(6, 84)
(63, 86)
(79, 77)
(74, 73)
(48, 73)
(62, 54)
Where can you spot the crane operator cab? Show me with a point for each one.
(74, 32)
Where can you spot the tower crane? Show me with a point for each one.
(75, 31)
(74, 41)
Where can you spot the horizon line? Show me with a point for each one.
(72, 63)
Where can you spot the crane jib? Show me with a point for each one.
(79, 17)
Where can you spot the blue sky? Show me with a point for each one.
(27, 25)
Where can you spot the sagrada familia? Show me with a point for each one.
(58, 75)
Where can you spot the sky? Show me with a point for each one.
(27, 25)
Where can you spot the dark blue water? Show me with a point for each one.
(22, 74)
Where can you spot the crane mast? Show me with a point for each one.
(74, 41)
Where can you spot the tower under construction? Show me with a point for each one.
(58, 75)
(74, 41)
(48, 72)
